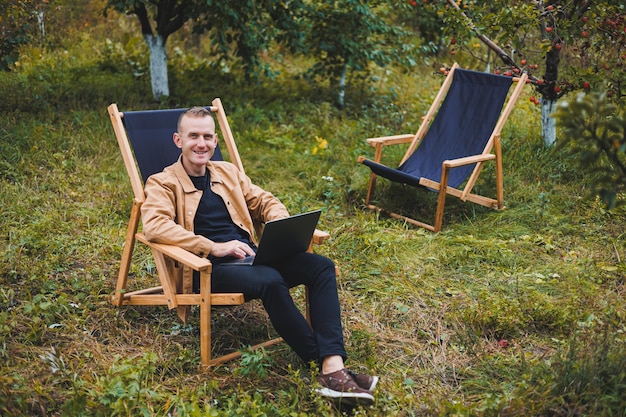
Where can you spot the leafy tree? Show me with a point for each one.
(577, 44)
(595, 132)
(158, 20)
(246, 30)
(17, 22)
(425, 21)
(351, 34)
(238, 29)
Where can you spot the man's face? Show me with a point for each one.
(197, 140)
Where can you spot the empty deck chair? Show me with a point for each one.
(460, 132)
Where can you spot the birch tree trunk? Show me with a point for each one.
(548, 124)
(550, 97)
(342, 87)
(158, 66)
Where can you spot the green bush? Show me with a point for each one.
(595, 134)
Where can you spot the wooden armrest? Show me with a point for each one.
(179, 254)
(391, 140)
(199, 264)
(453, 163)
(319, 237)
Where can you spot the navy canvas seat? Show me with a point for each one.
(456, 137)
(145, 139)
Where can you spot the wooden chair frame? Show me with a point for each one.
(166, 294)
(491, 152)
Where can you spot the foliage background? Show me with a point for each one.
(519, 312)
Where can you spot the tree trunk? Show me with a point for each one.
(158, 66)
(550, 97)
(342, 87)
(548, 124)
(40, 22)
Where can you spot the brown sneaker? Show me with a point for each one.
(364, 381)
(341, 386)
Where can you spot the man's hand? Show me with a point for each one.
(231, 248)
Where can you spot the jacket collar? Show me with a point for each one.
(185, 181)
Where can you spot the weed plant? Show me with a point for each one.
(515, 313)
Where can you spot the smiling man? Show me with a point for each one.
(209, 208)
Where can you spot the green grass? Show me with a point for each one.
(519, 312)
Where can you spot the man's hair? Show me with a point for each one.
(196, 111)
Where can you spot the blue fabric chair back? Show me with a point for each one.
(461, 127)
(151, 135)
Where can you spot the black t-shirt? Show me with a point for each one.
(212, 218)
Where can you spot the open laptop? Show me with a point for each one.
(282, 238)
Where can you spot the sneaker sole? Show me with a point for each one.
(350, 398)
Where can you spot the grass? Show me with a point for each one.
(518, 312)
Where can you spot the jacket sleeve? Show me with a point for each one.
(161, 220)
(262, 205)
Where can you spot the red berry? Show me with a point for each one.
(586, 85)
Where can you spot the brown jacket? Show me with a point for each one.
(172, 200)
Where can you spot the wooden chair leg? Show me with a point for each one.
(205, 317)
(370, 189)
(499, 181)
(441, 200)
(127, 254)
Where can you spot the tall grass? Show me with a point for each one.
(518, 312)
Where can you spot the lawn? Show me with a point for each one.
(515, 312)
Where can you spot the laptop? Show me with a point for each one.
(282, 238)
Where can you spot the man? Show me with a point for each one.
(208, 208)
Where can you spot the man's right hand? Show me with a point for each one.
(234, 248)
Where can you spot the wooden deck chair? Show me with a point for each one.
(460, 132)
(146, 145)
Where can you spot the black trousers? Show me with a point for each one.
(271, 284)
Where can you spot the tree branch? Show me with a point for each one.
(490, 44)
(144, 20)
(171, 16)
(499, 51)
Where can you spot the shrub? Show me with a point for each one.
(595, 132)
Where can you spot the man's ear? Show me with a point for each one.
(178, 140)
